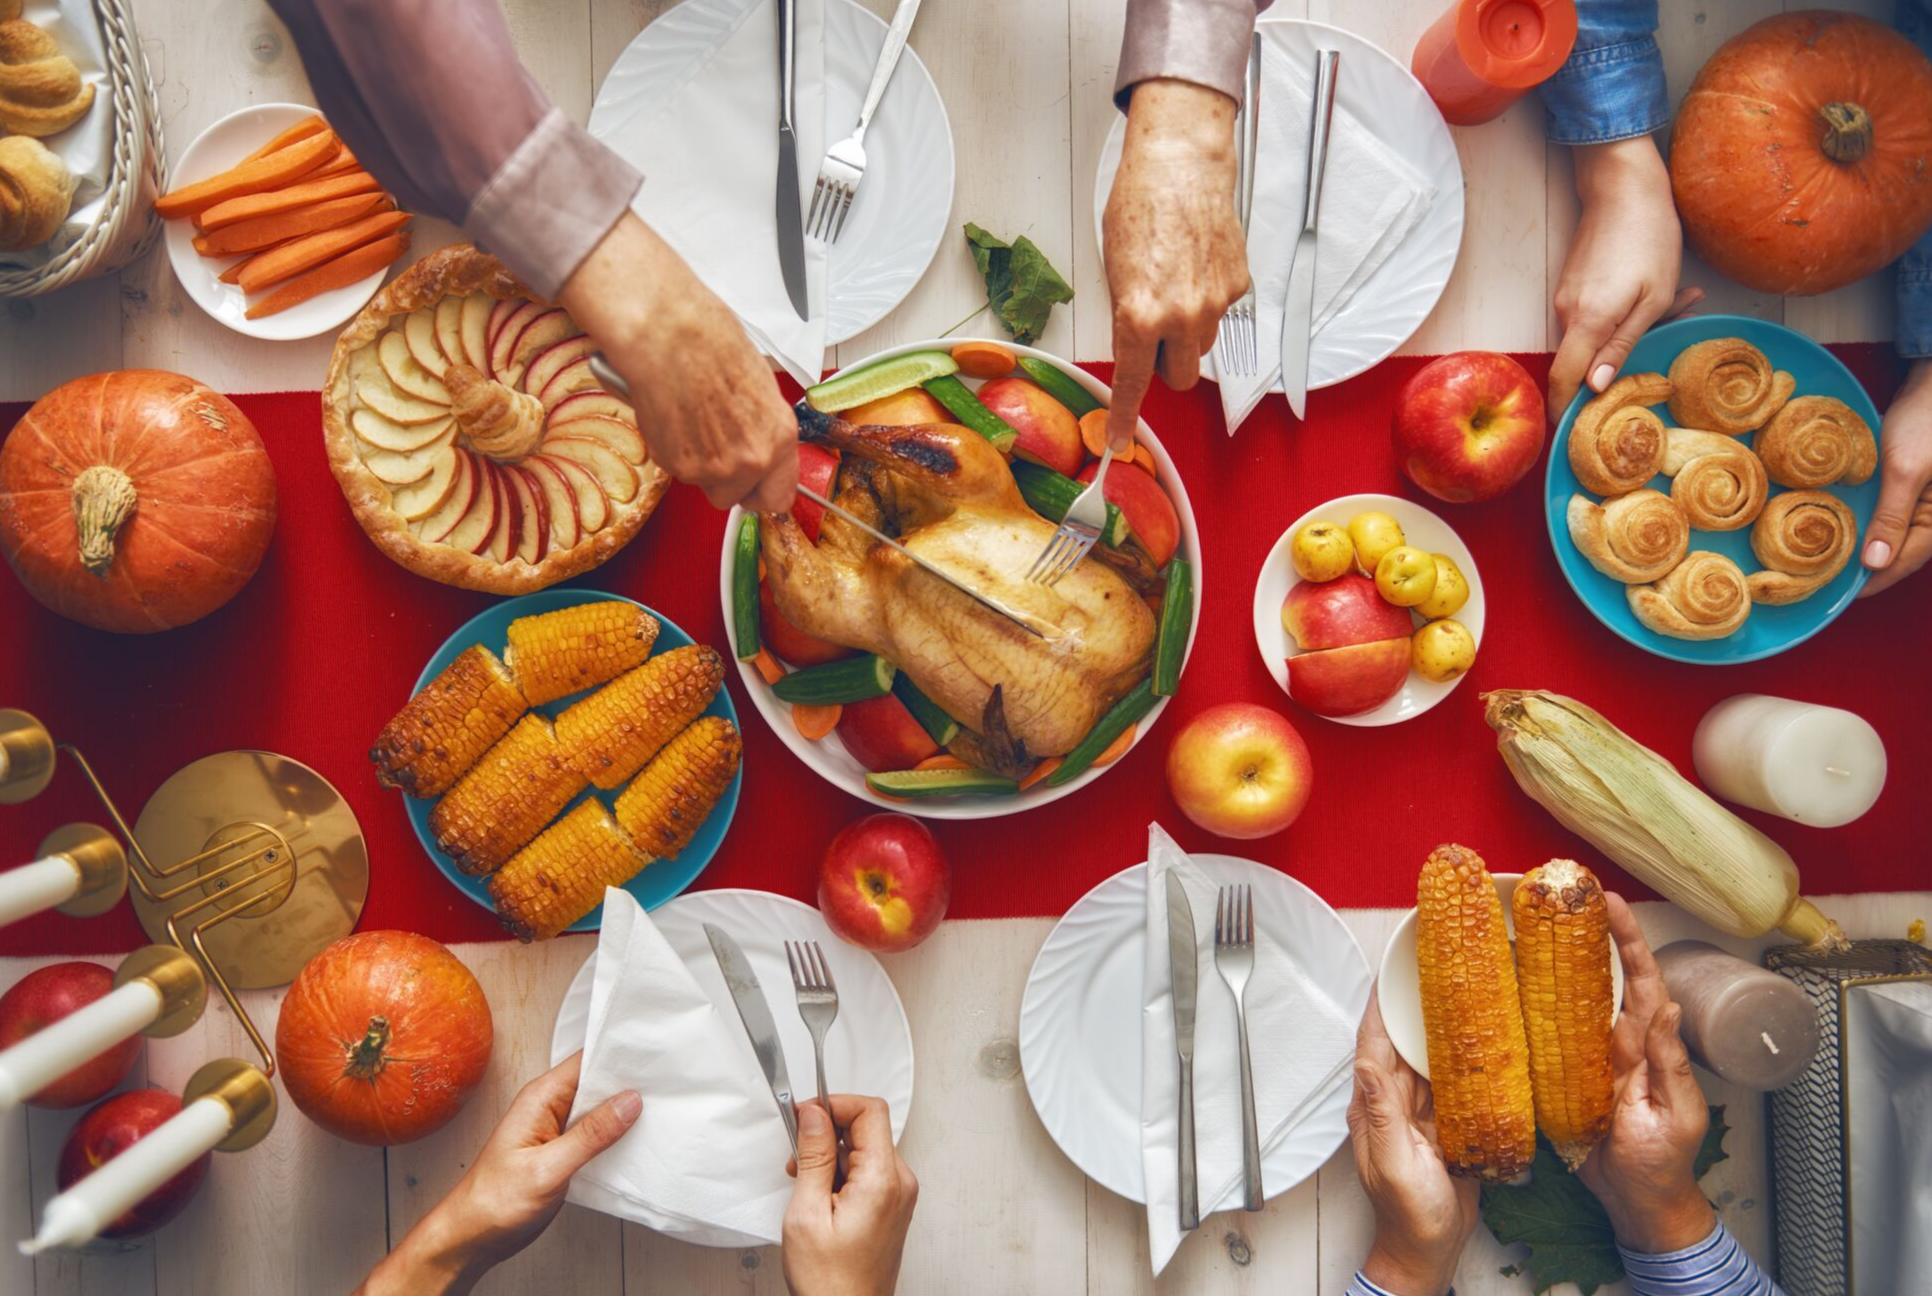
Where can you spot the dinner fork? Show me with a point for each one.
(1234, 957)
(844, 163)
(1077, 532)
(1235, 349)
(818, 1002)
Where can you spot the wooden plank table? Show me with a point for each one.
(1027, 85)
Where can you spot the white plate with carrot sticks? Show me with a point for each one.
(274, 229)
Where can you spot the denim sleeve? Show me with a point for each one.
(1612, 85)
(1915, 267)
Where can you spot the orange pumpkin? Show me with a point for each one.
(135, 501)
(383, 1037)
(1801, 159)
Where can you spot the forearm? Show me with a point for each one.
(430, 1261)
(1713, 1264)
(1202, 41)
(1612, 85)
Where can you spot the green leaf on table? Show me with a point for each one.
(1022, 287)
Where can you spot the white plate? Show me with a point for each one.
(1420, 528)
(1400, 983)
(1080, 1021)
(1387, 310)
(216, 149)
(828, 758)
(903, 209)
(867, 1051)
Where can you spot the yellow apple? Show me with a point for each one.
(1374, 534)
(1406, 576)
(1443, 650)
(1240, 770)
(1322, 551)
(1450, 593)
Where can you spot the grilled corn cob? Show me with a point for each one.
(613, 732)
(555, 654)
(517, 788)
(663, 807)
(1563, 974)
(561, 876)
(1478, 1056)
(440, 732)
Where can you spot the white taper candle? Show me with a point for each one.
(49, 1053)
(36, 886)
(79, 1214)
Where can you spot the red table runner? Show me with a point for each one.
(326, 641)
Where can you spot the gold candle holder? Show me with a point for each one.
(26, 757)
(176, 978)
(100, 861)
(245, 1090)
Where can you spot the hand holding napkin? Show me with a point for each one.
(1297, 1035)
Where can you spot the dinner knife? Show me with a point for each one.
(1298, 317)
(791, 217)
(1182, 960)
(755, 1013)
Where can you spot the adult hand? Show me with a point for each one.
(514, 1188)
(1176, 257)
(847, 1240)
(1620, 276)
(1899, 539)
(1644, 1170)
(1423, 1214)
(706, 402)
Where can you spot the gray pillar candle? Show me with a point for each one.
(1749, 1025)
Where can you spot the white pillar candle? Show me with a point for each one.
(79, 1214)
(36, 886)
(1811, 764)
(49, 1053)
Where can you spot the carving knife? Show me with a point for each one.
(791, 219)
(1298, 317)
(755, 1013)
(1181, 957)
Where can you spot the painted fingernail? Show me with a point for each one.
(628, 1104)
(1601, 376)
(1877, 554)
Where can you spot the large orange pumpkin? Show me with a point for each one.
(1801, 159)
(135, 501)
(383, 1037)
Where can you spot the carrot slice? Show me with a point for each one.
(768, 666)
(1117, 748)
(1093, 431)
(269, 172)
(266, 231)
(1040, 771)
(299, 131)
(311, 250)
(943, 761)
(1144, 460)
(984, 359)
(356, 264)
(814, 722)
(235, 210)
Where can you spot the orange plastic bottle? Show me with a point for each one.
(1482, 56)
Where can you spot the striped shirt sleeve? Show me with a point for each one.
(1360, 1286)
(1717, 1266)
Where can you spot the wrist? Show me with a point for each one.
(653, 285)
(1408, 1271)
(1620, 169)
(1194, 115)
(438, 1257)
(1668, 1222)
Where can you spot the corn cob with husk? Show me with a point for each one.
(1633, 805)
(561, 876)
(441, 732)
(664, 805)
(613, 732)
(555, 654)
(1563, 977)
(503, 803)
(1473, 1020)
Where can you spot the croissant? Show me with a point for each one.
(1815, 441)
(1703, 597)
(1803, 538)
(36, 190)
(1726, 385)
(41, 91)
(1616, 444)
(500, 422)
(1633, 538)
(1717, 481)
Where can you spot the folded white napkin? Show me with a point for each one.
(1297, 1038)
(707, 1157)
(1371, 201)
(709, 155)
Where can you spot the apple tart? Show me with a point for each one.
(471, 439)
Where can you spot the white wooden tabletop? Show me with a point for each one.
(1027, 84)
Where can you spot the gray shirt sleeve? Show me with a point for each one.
(1203, 41)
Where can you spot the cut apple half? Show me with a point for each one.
(472, 533)
(422, 498)
(543, 375)
(617, 477)
(380, 396)
(462, 494)
(419, 335)
(397, 438)
(407, 372)
(506, 338)
(449, 330)
(393, 469)
(595, 401)
(593, 506)
(561, 500)
(623, 438)
(476, 319)
(533, 531)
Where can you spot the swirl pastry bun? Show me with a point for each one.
(1815, 441)
(1717, 481)
(36, 192)
(1803, 538)
(1634, 538)
(41, 90)
(1703, 597)
(1617, 443)
(1726, 385)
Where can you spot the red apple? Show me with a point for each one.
(1468, 426)
(1049, 433)
(1334, 614)
(1348, 681)
(882, 735)
(43, 997)
(818, 468)
(1240, 770)
(884, 883)
(110, 1129)
(787, 642)
(908, 408)
(1149, 512)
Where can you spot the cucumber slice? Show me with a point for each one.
(960, 402)
(1127, 711)
(1177, 612)
(1050, 495)
(937, 724)
(1059, 386)
(744, 587)
(874, 381)
(941, 783)
(853, 679)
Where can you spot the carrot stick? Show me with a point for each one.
(943, 761)
(1039, 772)
(984, 359)
(264, 231)
(357, 264)
(1093, 431)
(343, 160)
(768, 666)
(1117, 748)
(307, 191)
(299, 131)
(270, 172)
(311, 250)
(814, 722)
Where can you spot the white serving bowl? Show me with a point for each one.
(828, 758)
